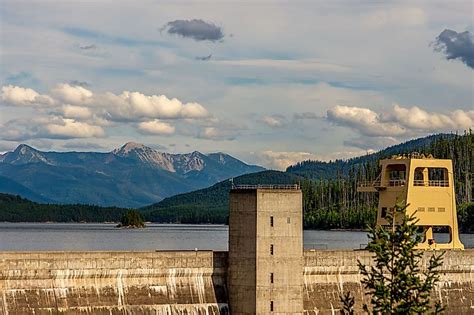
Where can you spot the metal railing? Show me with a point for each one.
(378, 183)
(397, 182)
(290, 187)
(402, 182)
(431, 183)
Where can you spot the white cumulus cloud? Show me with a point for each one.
(69, 128)
(156, 127)
(274, 121)
(365, 120)
(135, 105)
(74, 94)
(400, 121)
(19, 96)
(417, 118)
(71, 111)
(280, 160)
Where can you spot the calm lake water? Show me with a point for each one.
(79, 236)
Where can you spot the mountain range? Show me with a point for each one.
(133, 175)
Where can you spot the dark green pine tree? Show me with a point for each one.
(132, 218)
(396, 282)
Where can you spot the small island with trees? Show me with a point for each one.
(131, 219)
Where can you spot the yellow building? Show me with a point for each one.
(424, 183)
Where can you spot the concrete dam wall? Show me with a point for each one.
(186, 282)
(328, 273)
(113, 282)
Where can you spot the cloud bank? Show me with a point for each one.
(73, 111)
(400, 121)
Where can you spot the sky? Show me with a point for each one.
(269, 82)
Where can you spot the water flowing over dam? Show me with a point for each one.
(187, 282)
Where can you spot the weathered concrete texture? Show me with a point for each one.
(113, 282)
(187, 282)
(329, 273)
(266, 251)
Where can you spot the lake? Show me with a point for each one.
(100, 236)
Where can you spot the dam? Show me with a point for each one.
(187, 282)
(265, 271)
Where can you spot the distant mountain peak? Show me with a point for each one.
(24, 154)
(130, 146)
(146, 155)
(24, 148)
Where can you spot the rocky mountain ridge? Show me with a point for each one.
(129, 176)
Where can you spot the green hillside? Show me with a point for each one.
(209, 205)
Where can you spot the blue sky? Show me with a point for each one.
(268, 82)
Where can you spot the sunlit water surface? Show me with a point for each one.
(90, 236)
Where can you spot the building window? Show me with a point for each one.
(271, 306)
(271, 277)
(441, 209)
(421, 209)
(271, 221)
(384, 212)
(431, 209)
(288, 220)
(271, 249)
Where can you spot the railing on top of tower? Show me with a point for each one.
(413, 155)
(283, 187)
(377, 183)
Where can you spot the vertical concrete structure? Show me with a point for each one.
(265, 250)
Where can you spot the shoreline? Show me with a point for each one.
(179, 224)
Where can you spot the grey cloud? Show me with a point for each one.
(83, 84)
(158, 147)
(307, 115)
(198, 30)
(83, 146)
(370, 143)
(217, 134)
(88, 47)
(456, 45)
(7, 146)
(204, 58)
(19, 130)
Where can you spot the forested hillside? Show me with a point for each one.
(209, 204)
(329, 188)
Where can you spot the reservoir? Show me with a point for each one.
(100, 236)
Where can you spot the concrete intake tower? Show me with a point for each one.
(266, 250)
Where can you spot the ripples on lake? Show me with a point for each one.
(89, 236)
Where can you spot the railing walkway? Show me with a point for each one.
(402, 182)
(291, 187)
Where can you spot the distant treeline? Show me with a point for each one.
(17, 209)
(330, 197)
